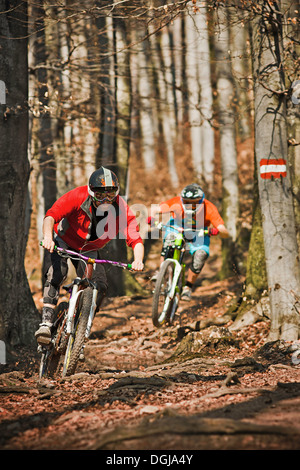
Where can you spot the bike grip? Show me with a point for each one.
(129, 266)
(55, 246)
(213, 231)
(153, 223)
(202, 233)
(150, 221)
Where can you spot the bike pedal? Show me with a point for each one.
(44, 340)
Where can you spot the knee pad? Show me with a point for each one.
(57, 273)
(51, 293)
(55, 276)
(199, 258)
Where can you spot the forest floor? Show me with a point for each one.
(190, 386)
(197, 385)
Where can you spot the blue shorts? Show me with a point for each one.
(198, 243)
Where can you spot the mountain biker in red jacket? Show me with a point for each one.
(193, 211)
(85, 219)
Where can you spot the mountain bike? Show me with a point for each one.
(171, 277)
(73, 320)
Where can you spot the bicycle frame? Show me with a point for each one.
(171, 299)
(78, 282)
(171, 293)
(178, 253)
(67, 325)
(74, 297)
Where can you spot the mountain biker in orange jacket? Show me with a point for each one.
(191, 210)
(85, 219)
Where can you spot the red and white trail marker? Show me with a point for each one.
(272, 168)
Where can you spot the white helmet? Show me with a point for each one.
(192, 195)
(103, 185)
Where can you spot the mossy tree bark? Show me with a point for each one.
(256, 276)
(274, 182)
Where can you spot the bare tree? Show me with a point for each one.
(193, 91)
(43, 176)
(274, 183)
(161, 63)
(17, 311)
(291, 63)
(227, 122)
(240, 64)
(144, 92)
(123, 102)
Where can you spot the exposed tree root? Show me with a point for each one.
(190, 426)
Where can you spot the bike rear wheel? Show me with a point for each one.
(77, 338)
(162, 303)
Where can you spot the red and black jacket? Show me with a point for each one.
(74, 219)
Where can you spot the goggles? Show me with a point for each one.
(105, 195)
(192, 203)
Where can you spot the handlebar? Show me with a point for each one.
(200, 233)
(70, 253)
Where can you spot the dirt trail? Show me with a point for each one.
(178, 387)
(171, 388)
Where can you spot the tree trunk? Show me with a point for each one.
(282, 260)
(238, 40)
(43, 162)
(166, 105)
(169, 111)
(225, 89)
(79, 94)
(55, 94)
(256, 276)
(120, 282)
(123, 104)
(291, 54)
(193, 91)
(206, 100)
(123, 134)
(107, 92)
(146, 124)
(18, 316)
(176, 30)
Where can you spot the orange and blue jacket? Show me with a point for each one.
(208, 211)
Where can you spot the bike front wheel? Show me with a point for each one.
(162, 298)
(49, 363)
(51, 354)
(77, 337)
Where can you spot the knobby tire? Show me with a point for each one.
(49, 363)
(51, 357)
(77, 339)
(165, 274)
